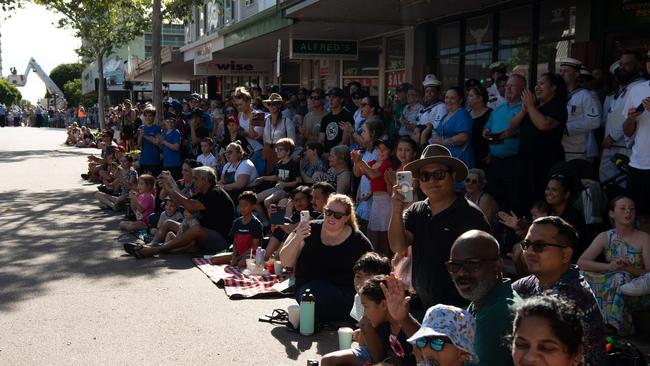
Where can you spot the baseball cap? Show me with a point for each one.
(335, 91)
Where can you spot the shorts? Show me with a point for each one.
(363, 355)
(212, 243)
(638, 182)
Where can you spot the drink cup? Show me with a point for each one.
(250, 264)
(277, 267)
(345, 338)
(294, 315)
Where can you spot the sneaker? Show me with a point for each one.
(637, 287)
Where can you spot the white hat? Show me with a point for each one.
(567, 61)
(431, 80)
(498, 65)
(585, 73)
(615, 66)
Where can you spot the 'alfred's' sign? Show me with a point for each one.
(233, 67)
(321, 48)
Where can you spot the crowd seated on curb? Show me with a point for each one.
(505, 232)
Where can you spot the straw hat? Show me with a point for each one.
(273, 98)
(438, 154)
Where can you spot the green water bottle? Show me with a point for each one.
(307, 313)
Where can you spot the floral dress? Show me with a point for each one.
(606, 285)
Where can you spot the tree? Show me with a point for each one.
(102, 25)
(66, 72)
(72, 91)
(9, 94)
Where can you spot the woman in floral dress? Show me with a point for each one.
(627, 255)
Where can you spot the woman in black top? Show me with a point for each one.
(477, 98)
(541, 122)
(323, 252)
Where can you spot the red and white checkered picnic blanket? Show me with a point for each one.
(238, 285)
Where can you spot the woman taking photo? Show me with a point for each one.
(238, 173)
(627, 255)
(252, 122)
(547, 331)
(276, 127)
(323, 252)
(455, 128)
(541, 122)
(477, 98)
(339, 174)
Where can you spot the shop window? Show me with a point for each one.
(517, 59)
(448, 71)
(557, 20)
(395, 49)
(549, 55)
(515, 26)
(448, 37)
(478, 33)
(477, 65)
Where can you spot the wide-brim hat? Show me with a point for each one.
(273, 98)
(451, 322)
(438, 154)
(431, 80)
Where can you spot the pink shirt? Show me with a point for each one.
(148, 203)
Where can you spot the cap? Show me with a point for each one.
(567, 61)
(194, 96)
(498, 65)
(335, 91)
(615, 66)
(384, 141)
(585, 73)
(431, 80)
(232, 119)
(449, 321)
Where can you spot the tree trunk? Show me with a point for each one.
(100, 92)
(156, 27)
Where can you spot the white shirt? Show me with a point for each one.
(583, 116)
(410, 115)
(244, 167)
(432, 115)
(284, 128)
(358, 119)
(243, 123)
(207, 160)
(640, 158)
(614, 115)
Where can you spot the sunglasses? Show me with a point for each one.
(337, 215)
(436, 344)
(471, 181)
(434, 175)
(228, 152)
(278, 149)
(539, 246)
(230, 111)
(471, 265)
(314, 97)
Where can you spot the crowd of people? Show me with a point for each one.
(521, 239)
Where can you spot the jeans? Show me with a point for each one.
(333, 303)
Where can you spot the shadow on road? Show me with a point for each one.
(52, 236)
(295, 344)
(22, 155)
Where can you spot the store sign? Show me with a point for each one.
(203, 54)
(233, 67)
(310, 49)
(395, 78)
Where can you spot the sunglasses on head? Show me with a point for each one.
(337, 215)
(436, 343)
(539, 246)
(439, 174)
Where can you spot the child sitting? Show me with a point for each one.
(206, 158)
(171, 212)
(142, 204)
(369, 265)
(286, 174)
(126, 180)
(246, 232)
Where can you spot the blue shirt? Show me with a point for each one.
(149, 154)
(207, 121)
(171, 157)
(500, 121)
(454, 124)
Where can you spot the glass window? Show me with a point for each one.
(478, 33)
(549, 55)
(448, 71)
(366, 65)
(517, 59)
(557, 19)
(395, 49)
(449, 39)
(515, 26)
(477, 65)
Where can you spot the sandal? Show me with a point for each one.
(278, 316)
(138, 254)
(131, 248)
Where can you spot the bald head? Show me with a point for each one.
(476, 244)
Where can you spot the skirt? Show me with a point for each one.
(380, 212)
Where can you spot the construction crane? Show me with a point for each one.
(21, 80)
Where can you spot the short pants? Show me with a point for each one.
(363, 355)
(212, 243)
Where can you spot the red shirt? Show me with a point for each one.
(379, 184)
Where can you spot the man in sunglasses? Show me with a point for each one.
(431, 226)
(548, 248)
(475, 268)
(310, 129)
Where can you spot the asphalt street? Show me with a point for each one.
(69, 295)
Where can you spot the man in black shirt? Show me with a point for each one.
(331, 133)
(211, 206)
(431, 226)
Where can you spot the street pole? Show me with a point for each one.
(278, 64)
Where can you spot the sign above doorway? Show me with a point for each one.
(311, 49)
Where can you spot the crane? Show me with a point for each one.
(21, 80)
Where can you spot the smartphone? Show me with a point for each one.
(277, 218)
(640, 108)
(304, 216)
(405, 185)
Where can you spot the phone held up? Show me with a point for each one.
(405, 185)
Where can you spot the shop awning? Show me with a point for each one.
(174, 69)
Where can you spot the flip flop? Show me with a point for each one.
(278, 316)
(131, 248)
(137, 254)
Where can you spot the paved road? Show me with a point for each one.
(70, 296)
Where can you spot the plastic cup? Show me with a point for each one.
(294, 315)
(345, 338)
(250, 264)
(277, 267)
